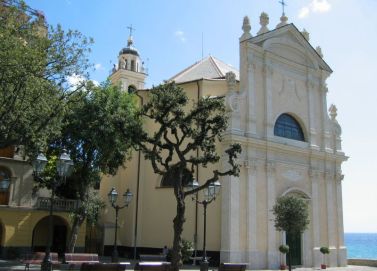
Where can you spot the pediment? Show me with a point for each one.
(288, 43)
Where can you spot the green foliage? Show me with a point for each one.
(291, 214)
(284, 249)
(187, 247)
(92, 136)
(36, 62)
(324, 250)
(97, 132)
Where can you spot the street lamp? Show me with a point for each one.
(64, 168)
(113, 196)
(210, 194)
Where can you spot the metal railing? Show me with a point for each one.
(63, 205)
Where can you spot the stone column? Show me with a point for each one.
(252, 254)
(331, 218)
(272, 252)
(314, 177)
(230, 217)
(342, 250)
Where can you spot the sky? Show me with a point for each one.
(171, 35)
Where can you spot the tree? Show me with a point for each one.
(96, 145)
(186, 137)
(292, 216)
(37, 62)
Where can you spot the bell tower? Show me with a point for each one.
(130, 72)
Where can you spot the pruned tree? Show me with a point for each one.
(292, 216)
(186, 137)
(37, 65)
(92, 137)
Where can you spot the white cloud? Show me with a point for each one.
(98, 66)
(180, 35)
(315, 6)
(75, 80)
(320, 6)
(304, 12)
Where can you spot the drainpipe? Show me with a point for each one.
(196, 203)
(137, 190)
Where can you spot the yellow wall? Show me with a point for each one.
(19, 223)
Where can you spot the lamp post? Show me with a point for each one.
(210, 194)
(113, 196)
(64, 166)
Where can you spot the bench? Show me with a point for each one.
(232, 267)
(152, 257)
(75, 260)
(104, 266)
(37, 258)
(153, 266)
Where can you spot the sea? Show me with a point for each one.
(361, 245)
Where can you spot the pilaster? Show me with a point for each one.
(342, 250)
(252, 253)
(268, 73)
(314, 178)
(331, 218)
(230, 217)
(272, 252)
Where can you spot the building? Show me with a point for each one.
(291, 145)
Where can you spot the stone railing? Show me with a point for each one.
(63, 205)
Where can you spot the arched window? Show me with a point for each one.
(287, 126)
(171, 177)
(133, 65)
(4, 186)
(131, 89)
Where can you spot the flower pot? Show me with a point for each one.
(283, 267)
(323, 266)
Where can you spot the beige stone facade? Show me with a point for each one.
(281, 77)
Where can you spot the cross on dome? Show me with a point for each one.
(130, 41)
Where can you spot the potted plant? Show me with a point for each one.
(324, 251)
(284, 249)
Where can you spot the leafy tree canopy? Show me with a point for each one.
(91, 134)
(37, 62)
(291, 214)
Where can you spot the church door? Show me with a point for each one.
(294, 243)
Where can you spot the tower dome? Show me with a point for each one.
(129, 72)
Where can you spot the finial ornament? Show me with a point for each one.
(319, 51)
(263, 20)
(333, 112)
(283, 21)
(305, 34)
(246, 29)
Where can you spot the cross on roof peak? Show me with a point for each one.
(283, 4)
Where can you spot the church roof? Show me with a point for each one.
(207, 68)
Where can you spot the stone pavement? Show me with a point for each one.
(6, 265)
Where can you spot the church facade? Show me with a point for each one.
(291, 145)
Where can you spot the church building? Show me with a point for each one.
(291, 145)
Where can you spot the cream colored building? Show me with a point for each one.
(291, 145)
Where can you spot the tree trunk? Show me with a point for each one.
(77, 222)
(179, 220)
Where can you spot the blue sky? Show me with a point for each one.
(169, 33)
